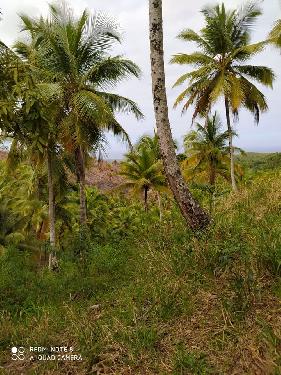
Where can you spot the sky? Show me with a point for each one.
(132, 15)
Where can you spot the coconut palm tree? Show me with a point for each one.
(36, 141)
(190, 209)
(29, 106)
(143, 172)
(74, 53)
(207, 152)
(152, 144)
(221, 68)
(35, 135)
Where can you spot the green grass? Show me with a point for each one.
(190, 363)
(158, 300)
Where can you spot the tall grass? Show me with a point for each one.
(155, 298)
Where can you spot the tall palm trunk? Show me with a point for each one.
(80, 166)
(52, 256)
(145, 198)
(231, 150)
(193, 213)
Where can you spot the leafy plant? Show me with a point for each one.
(220, 70)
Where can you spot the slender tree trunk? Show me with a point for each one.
(159, 205)
(52, 256)
(231, 150)
(80, 160)
(83, 206)
(212, 176)
(207, 114)
(212, 182)
(39, 231)
(145, 198)
(192, 212)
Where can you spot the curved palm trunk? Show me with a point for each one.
(231, 150)
(192, 212)
(80, 166)
(52, 256)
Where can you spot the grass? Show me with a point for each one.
(157, 300)
(190, 363)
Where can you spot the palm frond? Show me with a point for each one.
(189, 35)
(111, 71)
(118, 130)
(261, 74)
(195, 58)
(121, 104)
(275, 34)
(92, 107)
(255, 100)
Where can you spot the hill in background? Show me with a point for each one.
(104, 174)
(260, 161)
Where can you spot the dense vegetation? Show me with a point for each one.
(255, 162)
(117, 273)
(142, 296)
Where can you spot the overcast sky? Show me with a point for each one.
(178, 14)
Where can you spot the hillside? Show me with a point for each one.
(168, 260)
(260, 161)
(152, 298)
(103, 174)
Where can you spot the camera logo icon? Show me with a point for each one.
(17, 353)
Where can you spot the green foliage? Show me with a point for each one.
(258, 162)
(143, 168)
(135, 290)
(146, 287)
(23, 195)
(207, 153)
(224, 48)
(77, 50)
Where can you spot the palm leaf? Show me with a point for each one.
(121, 104)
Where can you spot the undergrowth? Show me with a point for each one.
(156, 298)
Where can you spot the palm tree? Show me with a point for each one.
(34, 132)
(190, 209)
(224, 48)
(28, 110)
(207, 151)
(74, 52)
(143, 172)
(40, 143)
